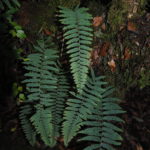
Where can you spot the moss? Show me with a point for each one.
(143, 3)
(117, 14)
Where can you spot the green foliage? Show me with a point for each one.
(17, 30)
(143, 4)
(25, 112)
(79, 39)
(9, 7)
(16, 89)
(79, 107)
(42, 121)
(60, 101)
(101, 129)
(18, 93)
(95, 110)
(117, 14)
(43, 78)
(144, 79)
(9, 4)
(49, 109)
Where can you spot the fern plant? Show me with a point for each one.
(94, 109)
(44, 77)
(89, 109)
(79, 107)
(100, 128)
(78, 38)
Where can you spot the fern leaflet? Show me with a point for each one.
(28, 129)
(79, 38)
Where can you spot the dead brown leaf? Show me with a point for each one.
(47, 32)
(131, 26)
(112, 65)
(103, 26)
(94, 54)
(127, 54)
(139, 147)
(122, 27)
(97, 21)
(104, 49)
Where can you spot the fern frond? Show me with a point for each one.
(41, 120)
(79, 39)
(9, 4)
(95, 110)
(101, 128)
(79, 108)
(41, 82)
(41, 79)
(28, 129)
(48, 89)
(57, 109)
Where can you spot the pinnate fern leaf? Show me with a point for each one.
(101, 128)
(60, 96)
(47, 89)
(41, 120)
(79, 108)
(28, 129)
(41, 79)
(9, 4)
(78, 36)
(96, 111)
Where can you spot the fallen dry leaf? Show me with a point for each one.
(104, 49)
(103, 26)
(131, 26)
(139, 147)
(110, 51)
(94, 54)
(112, 65)
(47, 32)
(127, 54)
(97, 21)
(122, 27)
